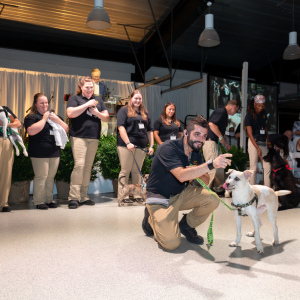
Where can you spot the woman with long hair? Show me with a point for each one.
(86, 111)
(134, 133)
(167, 127)
(259, 141)
(46, 135)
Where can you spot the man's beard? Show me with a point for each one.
(192, 145)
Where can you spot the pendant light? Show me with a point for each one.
(292, 51)
(209, 37)
(98, 18)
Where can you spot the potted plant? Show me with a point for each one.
(22, 175)
(109, 163)
(64, 171)
(239, 159)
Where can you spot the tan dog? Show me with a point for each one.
(252, 200)
(137, 190)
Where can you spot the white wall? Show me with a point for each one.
(59, 64)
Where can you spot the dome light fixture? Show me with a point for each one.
(98, 18)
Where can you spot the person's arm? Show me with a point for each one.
(53, 117)
(186, 174)
(14, 122)
(125, 138)
(157, 138)
(215, 129)
(252, 139)
(74, 112)
(268, 138)
(38, 126)
(151, 142)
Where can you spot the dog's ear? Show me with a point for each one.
(248, 174)
(229, 171)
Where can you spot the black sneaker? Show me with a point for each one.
(189, 232)
(51, 205)
(145, 224)
(73, 204)
(87, 202)
(42, 206)
(6, 209)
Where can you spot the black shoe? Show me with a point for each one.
(145, 224)
(127, 201)
(6, 209)
(73, 204)
(189, 232)
(51, 205)
(42, 206)
(87, 202)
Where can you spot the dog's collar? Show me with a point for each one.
(276, 170)
(240, 206)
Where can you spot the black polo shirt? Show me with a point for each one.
(9, 113)
(170, 155)
(166, 131)
(137, 136)
(42, 144)
(220, 118)
(257, 124)
(86, 125)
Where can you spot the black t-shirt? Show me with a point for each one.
(166, 131)
(137, 136)
(86, 125)
(257, 125)
(42, 144)
(9, 113)
(170, 155)
(220, 118)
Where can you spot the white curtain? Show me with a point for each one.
(17, 88)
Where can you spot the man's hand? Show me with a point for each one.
(222, 161)
(226, 146)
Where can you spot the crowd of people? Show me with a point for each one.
(177, 161)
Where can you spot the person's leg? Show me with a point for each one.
(41, 169)
(53, 166)
(92, 146)
(253, 158)
(6, 163)
(266, 167)
(79, 149)
(135, 173)
(126, 162)
(210, 151)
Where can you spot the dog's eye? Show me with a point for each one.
(236, 179)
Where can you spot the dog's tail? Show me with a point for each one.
(282, 193)
(120, 181)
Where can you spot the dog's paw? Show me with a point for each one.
(275, 243)
(250, 234)
(233, 244)
(260, 250)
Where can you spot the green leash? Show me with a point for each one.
(210, 235)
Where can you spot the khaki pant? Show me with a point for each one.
(164, 220)
(216, 176)
(44, 172)
(253, 157)
(128, 166)
(6, 163)
(84, 151)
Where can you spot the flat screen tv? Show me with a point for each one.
(221, 90)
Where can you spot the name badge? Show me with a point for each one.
(141, 126)
(262, 131)
(173, 137)
(89, 113)
(51, 132)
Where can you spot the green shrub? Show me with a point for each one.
(22, 167)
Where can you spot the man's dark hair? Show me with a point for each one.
(199, 120)
(234, 102)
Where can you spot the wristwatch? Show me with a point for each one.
(210, 164)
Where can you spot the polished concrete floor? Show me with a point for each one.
(101, 252)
